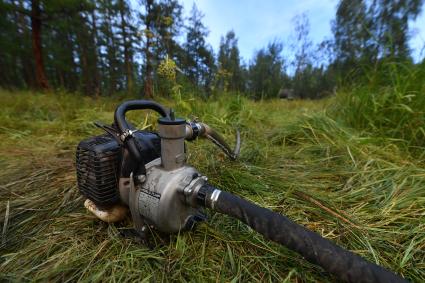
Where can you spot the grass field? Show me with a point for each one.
(362, 191)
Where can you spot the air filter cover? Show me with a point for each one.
(98, 162)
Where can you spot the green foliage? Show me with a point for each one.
(313, 83)
(351, 32)
(199, 63)
(167, 76)
(265, 72)
(167, 22)
(391, 103)
(107, 47)
(230, 72)
(369, 31)
(389, 22)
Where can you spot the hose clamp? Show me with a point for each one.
(214, 197)
(196, 129)
(127, 134)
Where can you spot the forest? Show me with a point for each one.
(332, 137)
(105, 47)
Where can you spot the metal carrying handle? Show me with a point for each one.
(122, 109)
(125, 131)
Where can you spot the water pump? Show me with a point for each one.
(144, 173)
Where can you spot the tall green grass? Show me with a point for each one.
(389, 103)
(365, 195)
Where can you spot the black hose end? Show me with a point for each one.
(344, 264)
(203, 198)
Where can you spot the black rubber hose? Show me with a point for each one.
(346, 265)
(123, 125)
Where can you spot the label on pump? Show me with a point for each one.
(148, 203)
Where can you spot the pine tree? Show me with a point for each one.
(230, 72)
(168, 25)
(266, 72)
(390, 26)
(303, 62)
(37, 47)
(96, 59)
(163, 22)
(199, 63)
(148, 19)
(111, 46)
(352, 33)
(366, 33)
(125, 18)
(15, 46)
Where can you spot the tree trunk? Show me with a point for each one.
(87, 55)
(83, 56)
(24, 54)
(149, 68)
(127, 52)
(95, 59)
(111, 51)
(41, 78)
(71, 78)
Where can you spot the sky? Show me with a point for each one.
(258, 22)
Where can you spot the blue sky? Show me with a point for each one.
(257, 22)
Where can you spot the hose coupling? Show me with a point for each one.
(207, 196)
